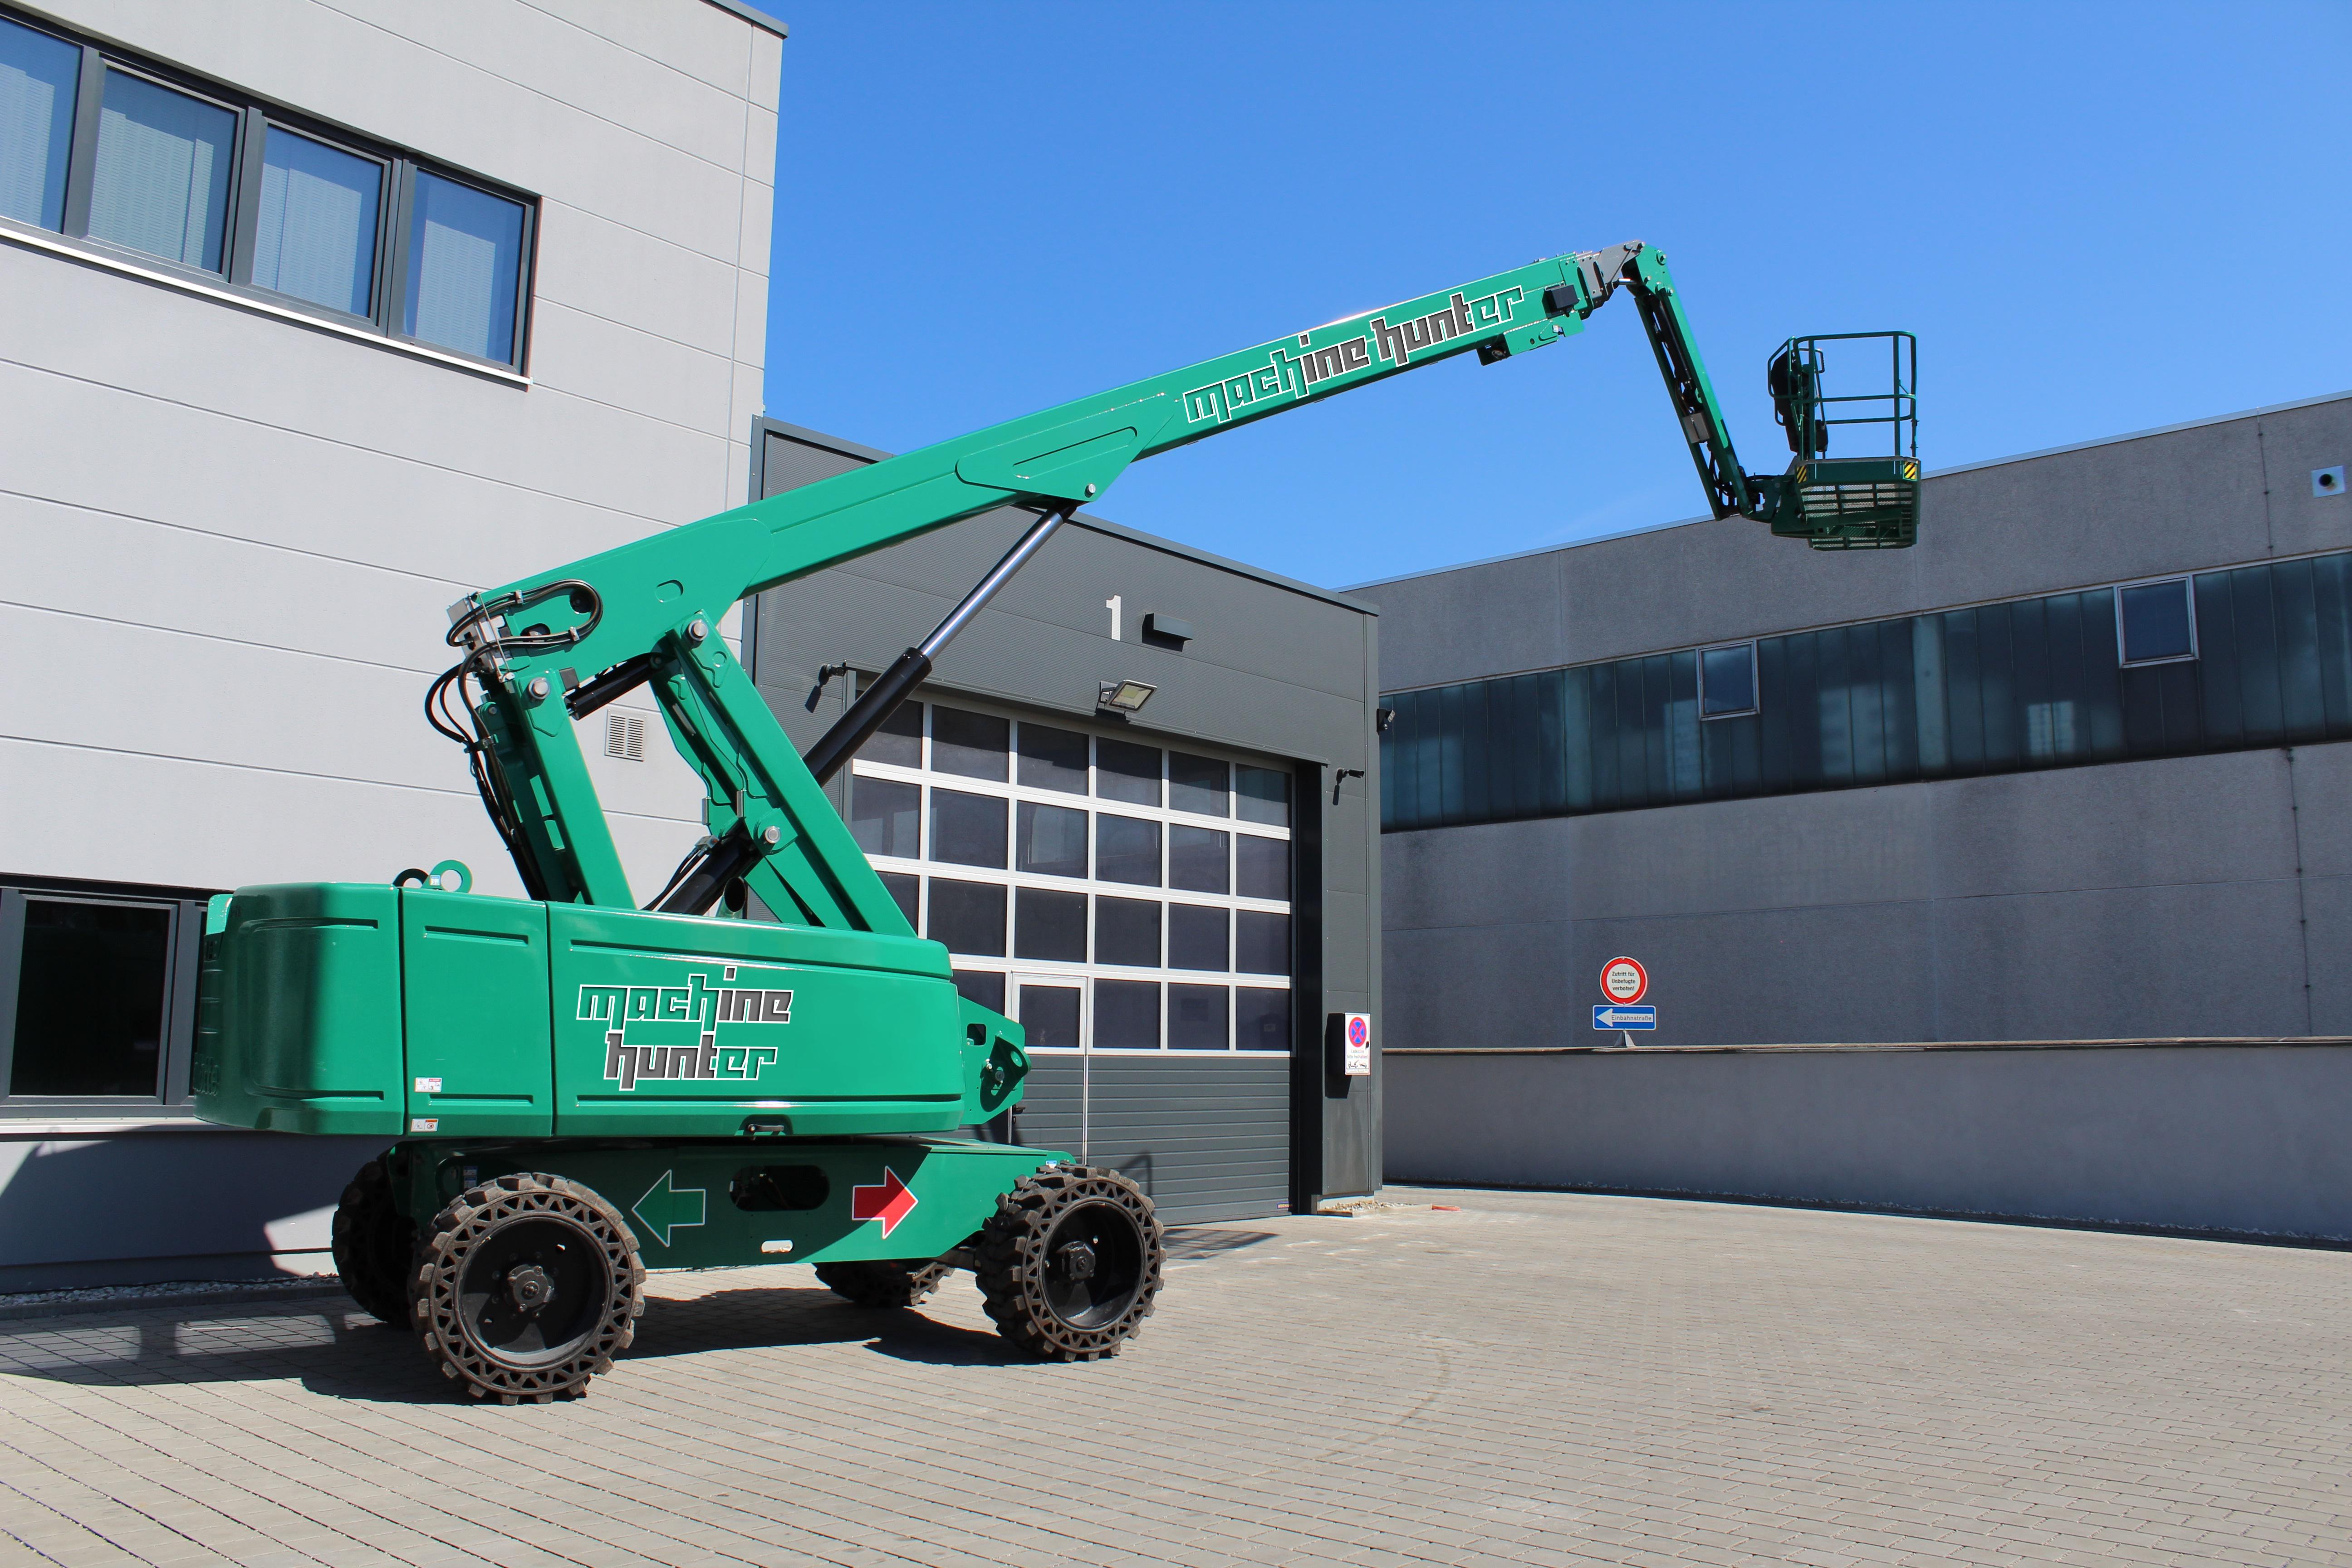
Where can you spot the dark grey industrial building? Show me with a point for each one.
(1174, 902)
(2074, 769)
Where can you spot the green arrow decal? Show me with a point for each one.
(664, 1208)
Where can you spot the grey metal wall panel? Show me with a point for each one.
(1206, 1137)
(2230, 1137)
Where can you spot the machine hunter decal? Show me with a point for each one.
(696, 1003)
(1287, 374)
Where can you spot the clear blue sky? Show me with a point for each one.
(2097, 217)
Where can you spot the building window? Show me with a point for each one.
(2156, 621)
(1108, 893)
(97, 994)
(215, 185)
(1727, 682)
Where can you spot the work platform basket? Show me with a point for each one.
(1866, 495)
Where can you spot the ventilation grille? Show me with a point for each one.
(624, 736)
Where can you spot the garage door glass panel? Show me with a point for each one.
(886, 816)
(1127, 849)
(1196, 1018)
(1262, 1019)
(968, 829)
(1127, 1014)
(1263, 866)
(1051, 841)
(981, 987)
(161, 180)
(1126, 931)
(38, 75)
(969, 917)
(1261, 794)
(1261, 943)
(91, 999)
(975, 745)
(1198, 785)
(1125, 770)
(1196, 859)
(1049, 925)
(1197, 937)
(1052, 759)
(1049, 1016)
(907, 892)
(899, 741)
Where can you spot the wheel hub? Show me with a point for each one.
(529, 1288)
(1077, 1262)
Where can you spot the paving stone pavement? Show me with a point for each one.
(1532, 1378)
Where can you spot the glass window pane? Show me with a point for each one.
(1262, 942)
(984, 986)
(1197, 784)
(1196, 1018)
(1127, 849)
(1196, 938)
(1196, 859)
(886, 816)
(973, 744)
(1052, 840)
(907, 892)
(1727, 682)
(38, 75)
(1263, 866)
(317, 234)
(968, 829)
(1049, 1016)
(1127, 931)
(2156, 621)
(1049, 925)
(899, 741)
(161, 182)
(969, 917)
(1125, 770)
(1127, 1014)
(1052, 759)
(1264, 795)
(465, 263)
(89, 1002)
(1262, 1019)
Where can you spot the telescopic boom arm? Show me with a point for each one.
(544, 651)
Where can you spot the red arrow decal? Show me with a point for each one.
(889, 1202)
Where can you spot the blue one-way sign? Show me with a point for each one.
(1617, 1015)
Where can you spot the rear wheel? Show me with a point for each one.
(902, 1282)
(373, 1243)
(526, 1287)
(1070, 1263)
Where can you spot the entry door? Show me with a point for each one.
(1052, 1012)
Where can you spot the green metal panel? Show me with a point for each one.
(474, 986)
(301, 1022)
(717, 1204)
(676, 1026)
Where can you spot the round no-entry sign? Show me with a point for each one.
(1623, 980)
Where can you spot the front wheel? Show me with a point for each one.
(373, 1243)
(526, 1287)
(1070, 1263)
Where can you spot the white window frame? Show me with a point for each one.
(2187, 582)
(1084, 974)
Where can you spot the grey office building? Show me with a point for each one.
(2073, 769)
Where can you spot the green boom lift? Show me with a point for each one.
(573, 1087)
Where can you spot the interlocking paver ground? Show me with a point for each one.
(1533, 1378)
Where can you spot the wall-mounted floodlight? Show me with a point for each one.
(1125, 696)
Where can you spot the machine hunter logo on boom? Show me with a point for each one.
(1288, 375)
(697, 1003)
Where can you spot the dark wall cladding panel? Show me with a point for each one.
(1208, 1137)
(1998, 688)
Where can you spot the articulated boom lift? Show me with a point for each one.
(576, 1086)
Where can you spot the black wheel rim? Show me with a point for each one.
(497, 1291)
(1093, 1265)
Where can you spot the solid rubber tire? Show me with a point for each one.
(1012, 1268)
(477, 1215)
(373, 1243)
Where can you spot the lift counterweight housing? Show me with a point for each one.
(574, 1088)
